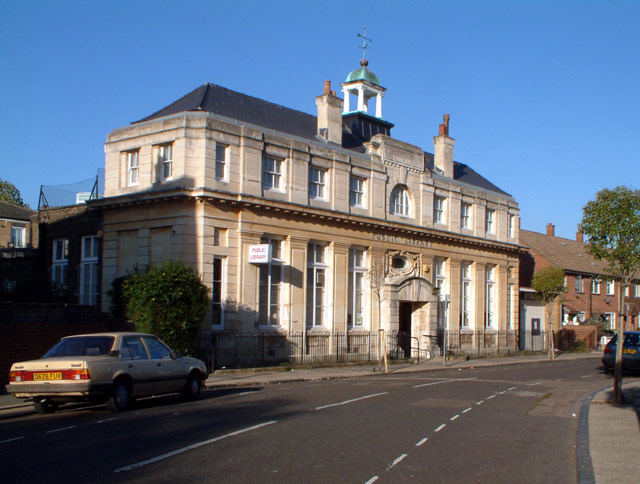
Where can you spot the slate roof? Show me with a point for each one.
(570, 255)
(15, 212)
(232, 104)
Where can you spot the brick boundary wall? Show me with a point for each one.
(587, 334)
(31, 340)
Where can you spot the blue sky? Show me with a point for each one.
(544, 96)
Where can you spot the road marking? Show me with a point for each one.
(480, 402)
(501, 393)
(192, 446)
(10, 440)
(372, 480)
(60, 430)
(443, 381)
(466, 410)
(440, 428)
(586, 376)
(106, 420)
(532, 384)
(511, 388)
(243, 393)
(490, 397)
(349, 401)
(422, 442)
(397, 461)
(454, 417)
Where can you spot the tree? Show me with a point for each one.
(376, 279)
(549, 286)
(611, 223)
(169, 301)
(9, 193)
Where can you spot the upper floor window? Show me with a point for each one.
(317, 187)
(636, 292)
(511, 221)
(356, 191)
(439, 206)
(465, 216)
(133, 168)
(400, 201)
(222, 152)
(579, 284)
(610, 288)
(490, 227)
(165, 160)
(18, 236)
(89, 263)
(60, 261)
(271, 173)
(595, 286)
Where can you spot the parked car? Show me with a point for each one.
(630, 352)
(111, 368)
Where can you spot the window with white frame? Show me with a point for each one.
(610, 288)
(636, 292)
(400, 201)
(439, 207)
(490, 296)
(133, 167)
(18, 236)
(595, 286)
(356, 295)
(489, 224)
(217, 291)
(317, 187)
(222, 152)
(357, 191)
(89, 263)
(579, 284)
(165, 160)
(60, 261)
(270, 285)
(439, 276)
(511, 314)
(611, 319)
(626, 291)
(271, 173)
(465, 295)
(316, 272)
(465, 216)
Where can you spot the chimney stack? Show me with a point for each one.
(443, 149)
(329, 115)
(580, 235)
(551, 229)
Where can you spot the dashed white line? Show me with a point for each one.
(349, 401)
(501, 393)
(372, 480)
(60, 429)
(454, 417)
(191, 447)
(444, 381)
(397, 461)
(480, 402)
(586, 376)
(490, 397)
(511, 388)
(422, 441)
(440, 428)
(532, 384)
(466, 410)
(11, 440)
(106, 420)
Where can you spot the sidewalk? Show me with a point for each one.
(602, 455)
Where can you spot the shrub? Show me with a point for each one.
(169, 301)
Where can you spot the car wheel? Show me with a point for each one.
(191, 389)
(44, 405)
(120, 397)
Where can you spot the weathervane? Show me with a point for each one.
(364, 43)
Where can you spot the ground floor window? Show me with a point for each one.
(270, 285)
(89, 262)
(356, 294)
(316, 272)
(217, 308)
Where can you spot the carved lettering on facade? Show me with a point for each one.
(395, 239)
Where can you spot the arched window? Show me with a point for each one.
(400, 201)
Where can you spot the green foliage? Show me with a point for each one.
(548, 283)
(169, 301)
(612, 224)
(9, 193)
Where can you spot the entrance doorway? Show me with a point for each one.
(404, 328)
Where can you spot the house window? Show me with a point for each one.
(270, 285)
(89, 269)
(490, 294)
(165, 160)
(60, 261)
(579, 284)
(316, 268)
(271, 173)
(610, 288)
(133, 168)
(465, 302)
(511, 220)
(439, 210)
(636, 292)
(357, 271)
(317, 188)
(18, 236)
(400, 202)
(221, 161)
(595, 286)
(439, 272)
(490, 221)
(611, 319)
(356, 191)
(217, 308)
(465, 216)
(511, 314)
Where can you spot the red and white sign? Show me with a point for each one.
(259, 254)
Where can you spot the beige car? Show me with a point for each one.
(113, 368)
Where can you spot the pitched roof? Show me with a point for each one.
(15, 212)
(465, 174)
(567, 254)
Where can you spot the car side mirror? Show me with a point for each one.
(177, 354)
(114, 353)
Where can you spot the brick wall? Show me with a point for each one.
(570, 334)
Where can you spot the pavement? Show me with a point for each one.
(602, 455)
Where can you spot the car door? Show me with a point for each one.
(136, 363)
(170, 372)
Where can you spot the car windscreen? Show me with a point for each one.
(81, 346)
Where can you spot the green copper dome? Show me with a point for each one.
(363, 74)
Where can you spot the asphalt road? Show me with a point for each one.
(501, 424)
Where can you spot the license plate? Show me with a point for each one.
(47, 376)
(629, 351)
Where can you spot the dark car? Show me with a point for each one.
(630, 352)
